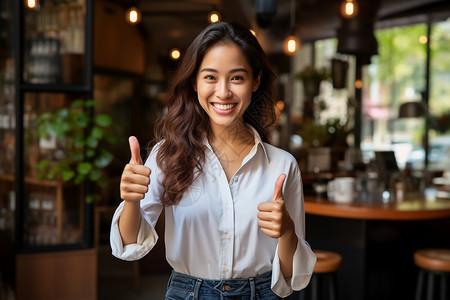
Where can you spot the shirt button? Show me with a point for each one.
(228, 236)
(227, 206)
(226, 269)
(235, 179)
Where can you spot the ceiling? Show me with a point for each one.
(174, 23)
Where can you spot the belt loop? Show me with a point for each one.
(198, 283)
(252, 288)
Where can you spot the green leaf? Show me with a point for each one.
(62, 113)
(90, 199)
(84, 168)
(78, 140)
(90, 152)
(43, 164)
(78, 156)
(79, 179)
(97, 133)
(68, 175)
(89, 103)
(103, 120)
(92, 142)
(77, 103)
(95, 175)
(104, 159)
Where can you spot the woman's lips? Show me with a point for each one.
(224, 108)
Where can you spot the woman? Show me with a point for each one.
(234, 215)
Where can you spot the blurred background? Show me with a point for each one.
(77, 77)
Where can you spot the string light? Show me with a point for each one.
(349, 8)
(133, 15)
(175, 54)
(213, 17)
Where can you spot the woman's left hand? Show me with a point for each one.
(273, 216)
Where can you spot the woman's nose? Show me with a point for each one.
(223, 91)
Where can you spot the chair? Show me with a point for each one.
(324, 273)
(436, 264)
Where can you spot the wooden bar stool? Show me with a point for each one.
(324, 272)
(434, 263)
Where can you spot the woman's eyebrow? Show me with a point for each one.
(231, 71)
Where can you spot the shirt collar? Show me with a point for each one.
(257, 137)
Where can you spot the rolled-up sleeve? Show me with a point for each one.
(304, 259)
(146, 240)
(151, 209)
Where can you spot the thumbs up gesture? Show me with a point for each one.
(135, 176)
(274, 219)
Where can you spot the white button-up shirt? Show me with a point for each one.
(213, 232)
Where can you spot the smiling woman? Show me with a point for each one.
(233, 203)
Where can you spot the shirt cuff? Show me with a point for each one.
(146, 240)
(302, 269)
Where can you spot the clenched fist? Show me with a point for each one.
(135, 176)
(274, 219)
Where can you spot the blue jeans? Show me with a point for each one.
(184, 287)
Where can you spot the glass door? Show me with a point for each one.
(54, 45)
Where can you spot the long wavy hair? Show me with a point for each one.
(185, 125)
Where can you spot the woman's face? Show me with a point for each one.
(224, 85)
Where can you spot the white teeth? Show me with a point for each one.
(224, 107)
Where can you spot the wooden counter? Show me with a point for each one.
(409, 209)
(377, 242)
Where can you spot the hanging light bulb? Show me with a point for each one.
(133, 15)
(349, 8)
(213, 17)
(175, 54)
(291, 45)
(32, 4)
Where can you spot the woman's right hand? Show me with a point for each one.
(135, 176)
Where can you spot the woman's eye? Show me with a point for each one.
(209, 77)
(237, 77)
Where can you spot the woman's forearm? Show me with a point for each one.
(287, 244)
(129, 222)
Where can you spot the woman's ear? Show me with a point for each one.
(194, 85)
(256, 82)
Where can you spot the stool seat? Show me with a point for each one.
(433, 259)
(327, 261)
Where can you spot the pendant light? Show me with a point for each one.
(349, 8)
(291, 43)
(133, 15)
(213, 16)
(32, 4)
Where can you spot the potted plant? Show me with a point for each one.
(81, 139)
(324, 143)
(311, 79)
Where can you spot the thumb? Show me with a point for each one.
(135, 150)
(278, 192)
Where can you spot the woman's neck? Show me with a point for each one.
(231, 145)
(235, 136)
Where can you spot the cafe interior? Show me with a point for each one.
(362, 95)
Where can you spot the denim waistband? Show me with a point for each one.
(226, 287)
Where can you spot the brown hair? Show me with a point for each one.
(185, 125)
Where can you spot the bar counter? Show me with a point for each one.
(409, 209)
(377, 242)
